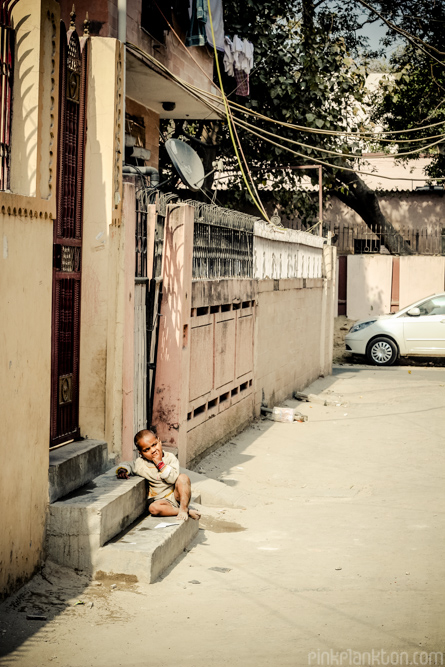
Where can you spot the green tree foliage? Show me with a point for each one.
(310, 70)
(303, 75)
(414, 94)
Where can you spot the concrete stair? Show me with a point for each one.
(76, 464)
(144, 550)
(98, 523)
(83, 521)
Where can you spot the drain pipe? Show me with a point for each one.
(143, 171)
(122, 23)
(122, 37)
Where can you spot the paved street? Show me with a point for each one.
(340, 549)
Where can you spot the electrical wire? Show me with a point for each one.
(322, 162)
(339, 167)
(337, 154)
(413, 39)
(256, 199)
(301, 128)
(201, 96)
(334, 133)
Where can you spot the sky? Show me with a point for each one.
(374, 31)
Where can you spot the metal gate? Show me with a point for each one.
(148, 298)
(342, 284)
(67, 242)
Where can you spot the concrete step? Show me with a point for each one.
(76, 464)
(145, 551)
(82, 522)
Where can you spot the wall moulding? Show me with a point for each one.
(26, 207)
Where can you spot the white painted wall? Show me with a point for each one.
(419, 277)
(368, 285)
(370, 276)
(286, 254)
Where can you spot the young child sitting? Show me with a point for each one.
(170, 491)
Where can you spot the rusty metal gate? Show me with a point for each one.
(148, 298)
(342, 284)
(67, 242)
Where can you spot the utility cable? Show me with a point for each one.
(338, 167)
(258, 203)
(337, 154)
(201, 94)
(190, 54)
(201, 97)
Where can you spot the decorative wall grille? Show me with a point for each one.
(222, 243)
(7, 44)
(222, 239)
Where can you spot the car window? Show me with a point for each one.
(434, 306)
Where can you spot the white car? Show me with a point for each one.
(417, 330)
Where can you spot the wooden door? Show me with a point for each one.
(67, 248)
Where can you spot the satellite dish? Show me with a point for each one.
(187, 163)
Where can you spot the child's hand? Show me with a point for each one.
(122, 473)
(157, 457)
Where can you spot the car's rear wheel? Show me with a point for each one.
(382, 351)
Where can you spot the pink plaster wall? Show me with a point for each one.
(403, 209)
(173, 362)
(225, 346)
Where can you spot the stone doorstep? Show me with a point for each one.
(76, 464)
(145, 551)
(82, 522)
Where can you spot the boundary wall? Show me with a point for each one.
(380, 284)
(228, 346)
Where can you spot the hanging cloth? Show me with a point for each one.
(218, 25)
(238, 62)
(242, 81)
(228, 59)
(196, 35)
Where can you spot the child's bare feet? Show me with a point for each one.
(183, 514)
(194, 514)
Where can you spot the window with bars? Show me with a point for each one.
(7, 42)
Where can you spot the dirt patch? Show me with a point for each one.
(219, 526)
(122, 579)
(341, 327)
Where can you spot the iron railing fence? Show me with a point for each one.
(358, 240)
(145, 197)
(222, 242)
(222, 239)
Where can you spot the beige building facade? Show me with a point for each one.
(27, 211)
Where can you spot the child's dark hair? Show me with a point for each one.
(141, 434)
